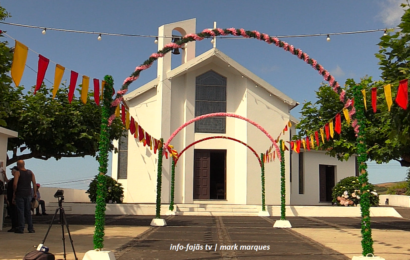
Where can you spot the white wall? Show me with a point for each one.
(311, 160)
(70, 195)
(4, 135)
(395, 200)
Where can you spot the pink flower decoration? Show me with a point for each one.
(266, 37)
(300, 52)
(122, 92)
(336, 87)
(327, 74)
(352, 112)
(306, 58)
(275, 40)
(221, 31)
(209, 31)
(243, 33)
(116, 102)
(354, 123)
(130, 79)
(342, 96)
(157, 55)
(292, 49)
(348, 103)
(172, 45)
(258, 34)
(285, 46)
(314, 63)
(195, 36)
(110, 119)
(233, 31)
(321, 69)
(331, 80)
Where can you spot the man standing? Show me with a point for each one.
(22, 196)
(11, 208)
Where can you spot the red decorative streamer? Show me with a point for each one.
(96, 91)
(42, 68)
(374, 99)
(327, 131)
(298, 146)
(317, 138)
(73, 82)
(338, 124)
(140, 133)
(402, 97)
(123, 114)
(132, 126)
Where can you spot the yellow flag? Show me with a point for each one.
(387, 93)
(19, 62)
(283, 146)
(312, 142)
(346, 114)
(304, 143)
(331, 128)
(136, 129)
(322, 135)
(58, 75)
(127, 120)
(84, 89)
(102, 89)
(289, 124)
(364, 98)
(117, 111)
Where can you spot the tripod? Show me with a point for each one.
(63, 221)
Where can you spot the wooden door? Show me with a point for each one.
(326, 182)
(202, 174)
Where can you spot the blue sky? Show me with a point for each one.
(345, 56)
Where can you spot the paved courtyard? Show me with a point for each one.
(194, 237)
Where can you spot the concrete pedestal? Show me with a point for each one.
(99, 255)
(263, 213)
(368, 257)
(158, 222)
(282, 224)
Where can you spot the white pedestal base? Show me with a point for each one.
(282, 224)
(368, 257)
(170, 213)
(158, 222)
(263, 213)
(99, 255)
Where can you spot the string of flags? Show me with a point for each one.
(140, 134)
(19, 63)
(402, 97)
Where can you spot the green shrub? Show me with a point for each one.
(398, 188)
(350, 188)
(113, 189)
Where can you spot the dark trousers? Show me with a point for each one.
(24, 213)
(43, 207)
(12, 211)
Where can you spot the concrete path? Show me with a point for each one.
(131, 237)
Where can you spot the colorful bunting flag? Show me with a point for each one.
(364, 98)
(402, 94)
(19, 62)
(322, 134)
(387, 94)
(58, 75)
(117, 111)
(304, 143)
(327, 131)
(338, 124)
(127, 120)
(331, 128)
(298, 146)
(84, 89)
(96, 91)
(123, 114)
(132, 126)
(73, 82)
(346, 114)
(374, 99)
(312, 142)
(317, 138)
(42, 68)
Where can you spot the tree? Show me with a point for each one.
(387, 132)
(113, 190)
(55, 128)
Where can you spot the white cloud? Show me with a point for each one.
(269, 69)
(391, 12)
(337, 72)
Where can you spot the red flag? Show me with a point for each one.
(327, 131)
(42, 68)
(155, 146)
(132, 126)
(73, 82)
(307, 143)
(298, 146)
(402, 97)
(148, 138)
(374, 99)
(338, 124)
(123, 114)
(96, 91)
(317, 138)
(140, 133)
(291, 145)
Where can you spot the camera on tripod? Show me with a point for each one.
(59, 194)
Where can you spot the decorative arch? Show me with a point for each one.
(224, 115)
(209, 33)
(219, 137)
